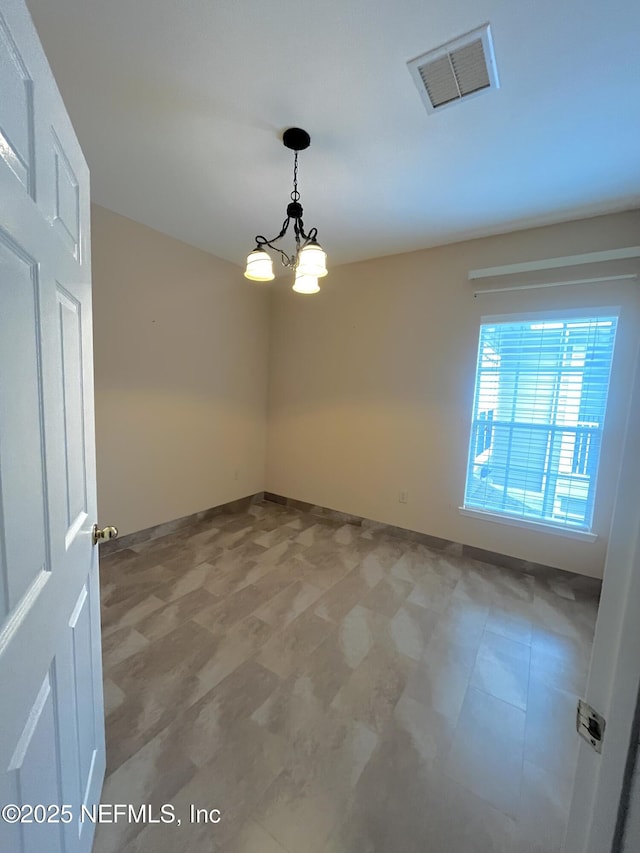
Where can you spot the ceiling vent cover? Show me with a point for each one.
(456, 70)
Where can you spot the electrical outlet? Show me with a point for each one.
(236, 474)
(403, 497)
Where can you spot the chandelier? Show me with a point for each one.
(308, 261)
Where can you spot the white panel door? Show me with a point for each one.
(601, 784)
(52, 749)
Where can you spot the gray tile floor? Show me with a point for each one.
(332, 689)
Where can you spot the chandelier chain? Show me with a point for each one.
(295, 195)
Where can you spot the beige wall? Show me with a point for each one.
(181, 347)
(371, 383)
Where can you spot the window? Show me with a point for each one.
(539, 406)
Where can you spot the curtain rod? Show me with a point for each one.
(627, 253)
(535, 286)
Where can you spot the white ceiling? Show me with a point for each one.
(179, 105)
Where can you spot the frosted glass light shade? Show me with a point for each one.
(305, 283)
(259, 266)
(312, 260)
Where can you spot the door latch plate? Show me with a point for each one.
(590, 725)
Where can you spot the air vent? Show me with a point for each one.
(456, 70)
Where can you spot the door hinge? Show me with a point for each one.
(590, 725)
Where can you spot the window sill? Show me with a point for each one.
(539, 526)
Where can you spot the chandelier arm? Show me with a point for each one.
(311, 236)
(262, 241)
(299, 232)
(286, 260)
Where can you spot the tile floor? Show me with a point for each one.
(333, 689)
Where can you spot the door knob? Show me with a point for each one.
(101, 535)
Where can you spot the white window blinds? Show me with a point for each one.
(539, 406)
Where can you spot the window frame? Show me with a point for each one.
(512, 520)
